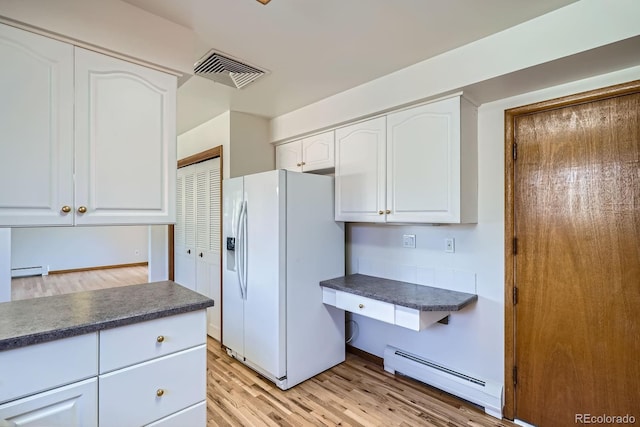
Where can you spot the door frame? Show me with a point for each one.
(202, 156)
(510, 116)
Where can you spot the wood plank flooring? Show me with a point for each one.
(354, 393)
(56, 284)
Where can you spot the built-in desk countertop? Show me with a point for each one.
(401, 303)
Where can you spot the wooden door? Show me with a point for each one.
(36, 129)
(360, 171)
(577, 263)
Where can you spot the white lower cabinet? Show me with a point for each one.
(148, 372)
(195, 415)
(72, 405)
(144, 393)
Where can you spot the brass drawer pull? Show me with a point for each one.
(160, 392)
(160, 338)
(360, 305)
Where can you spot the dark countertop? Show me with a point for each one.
(38, 320)
(423, 298)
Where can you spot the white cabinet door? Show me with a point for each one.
(360, 171)
(425, 183)
(36, 124)
(318, 152)
(125, 142)
(289, 156)
(75, 405)
(423, 167)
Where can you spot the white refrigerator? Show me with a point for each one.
(279, 241)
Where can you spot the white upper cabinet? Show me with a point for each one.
(67, 111)
(125, 146)
(308, 154)
(289, 156)
(360, 171)
(422, 170)
(36, 129)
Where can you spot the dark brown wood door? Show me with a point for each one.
(577, 268)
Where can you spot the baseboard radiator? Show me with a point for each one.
(27, 271)
(482, 393)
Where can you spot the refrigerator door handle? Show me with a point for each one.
(245, 248)
(240, 249)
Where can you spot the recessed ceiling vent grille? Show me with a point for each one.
(226, 70)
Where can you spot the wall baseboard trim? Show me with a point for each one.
(366, 355)
(103, 267)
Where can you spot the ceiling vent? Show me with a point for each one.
(224, 69)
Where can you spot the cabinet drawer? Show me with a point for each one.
(129, 397)
(35, 368)
(128, 345)
(375, 309)
(72, 405)
(195, 416)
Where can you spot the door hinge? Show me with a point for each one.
(515, 375)
(515, 245)
(515, 151)
(515, 295)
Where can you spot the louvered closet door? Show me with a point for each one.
(207, 202)
(185, 230)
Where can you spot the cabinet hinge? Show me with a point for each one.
(515, 295)
(515, 375)
(515, 151)
(515, 245)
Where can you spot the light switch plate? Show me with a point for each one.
(450, 245)
(409, 241)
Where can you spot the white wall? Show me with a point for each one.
(473, 342)
(250, 150)
(5, 264)
(244, 139)
(66, 248)
(113, 25)
(576, 28)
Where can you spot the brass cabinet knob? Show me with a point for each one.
(388, 211)
(360, 305)
(160, 338)
(66, 209)
(82, 209)
(303, 163)
(380, 212)
(160, 392)
(298, 164)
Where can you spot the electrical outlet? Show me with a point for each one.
(450, 245)
(409, 241)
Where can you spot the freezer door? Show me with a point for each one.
(232, 295)
(265, 311)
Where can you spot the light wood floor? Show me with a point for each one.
(56, 284)
(354, 393)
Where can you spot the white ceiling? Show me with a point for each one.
(317, 48)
